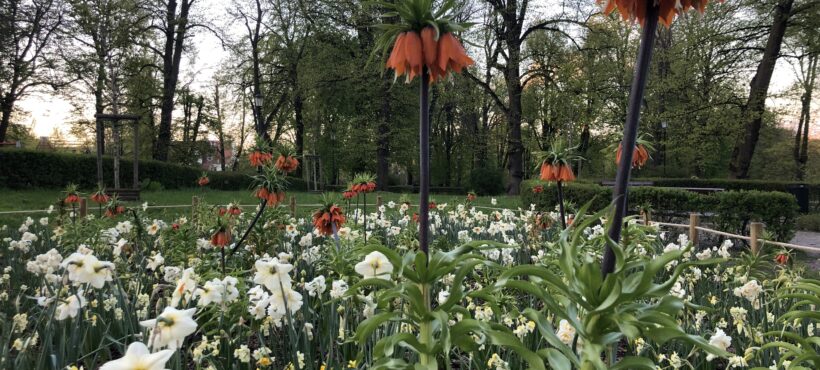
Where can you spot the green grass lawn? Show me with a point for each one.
(40, 199)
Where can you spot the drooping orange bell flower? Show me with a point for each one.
(272, 197)
(565, 173)
(204, 180)
(637, 9)
(324, 220)
(348, 194)
(451, 54)
(639, 156)
(286, 164)
(782, 259)
(538, 189)
(221, 237)
(71, 198)
(114, 211)
(546, 172)
(471, 196)
(412, 51)
(100, 198)
(259, 158)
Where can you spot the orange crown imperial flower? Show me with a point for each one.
(423, 39)
(327, 218)
(637, 9)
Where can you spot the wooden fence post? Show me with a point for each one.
(755, 233)
(83, 207)
(293, 206)
(694, 222)
(647, 218)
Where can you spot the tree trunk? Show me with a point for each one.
(6, 107)
(383, 139)
(176, 28)
(512, 77)
(299, 122)
(801, 144)
(759, 88)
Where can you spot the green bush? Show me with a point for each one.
(28, 169)
(731, 210)
(808, 222)
(487, 181)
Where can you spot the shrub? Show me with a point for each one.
(732, 210)
(487, 181)
(27, 169)
(809, 222)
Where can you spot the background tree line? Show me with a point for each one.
(545, 71)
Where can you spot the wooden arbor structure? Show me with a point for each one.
(125, 194)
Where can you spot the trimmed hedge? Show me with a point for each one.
(21, 169)
(732, 210)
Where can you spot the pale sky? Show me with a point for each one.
(49, 111)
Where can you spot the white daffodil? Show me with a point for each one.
(284, 300)
(85, 268)
(317, 286)
(719, 340)
(186, 286)
(375, 265)
(155, 261)
(566, 332)
(70, 307)
(271, 274)
(217, 291)
(171, 327)
(138, 357)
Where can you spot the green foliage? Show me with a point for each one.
(487, 181)
(633, 301)
(25, 169)
(809, 222)
(733, 210)
(801, 348)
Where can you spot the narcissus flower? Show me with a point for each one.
(375, 265)
(637, 9)
(171, 327)
(138, 357)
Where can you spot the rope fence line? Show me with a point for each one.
(293, 204)
(754, 239)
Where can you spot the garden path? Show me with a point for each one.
(811, 239)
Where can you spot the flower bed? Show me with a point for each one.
(509, 290)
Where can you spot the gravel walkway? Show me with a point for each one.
(811, 239)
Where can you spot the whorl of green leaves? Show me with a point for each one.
(271, 178)
(363, 178)
(629, 302)
(559, 153)
(414, 15)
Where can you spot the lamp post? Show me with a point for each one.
(664, 126)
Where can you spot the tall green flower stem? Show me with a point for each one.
(633, 114)
(425, 329)
(364, 213)
(561, 204)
